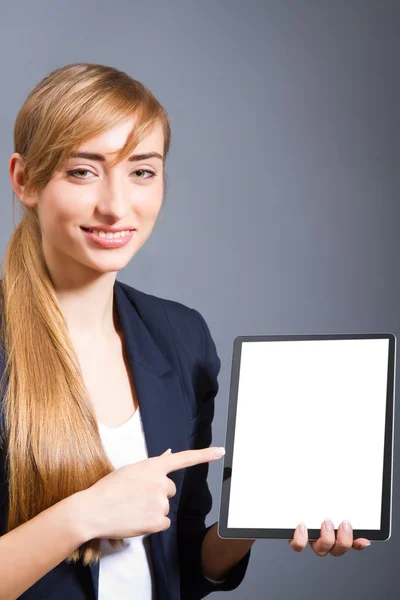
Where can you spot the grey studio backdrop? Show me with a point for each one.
(282, 211)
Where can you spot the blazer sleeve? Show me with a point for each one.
(196, 501)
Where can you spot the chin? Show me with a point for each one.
(105, 266)
(110, 268)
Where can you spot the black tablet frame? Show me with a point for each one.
(383, 534)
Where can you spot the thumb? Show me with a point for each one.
(169, 451)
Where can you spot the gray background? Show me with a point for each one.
(282, 205)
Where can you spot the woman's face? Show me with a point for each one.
(88, 193)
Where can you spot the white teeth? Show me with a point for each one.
(109, 235)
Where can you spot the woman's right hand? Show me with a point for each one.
(133, 500)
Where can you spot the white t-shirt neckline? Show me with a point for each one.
(122, 426)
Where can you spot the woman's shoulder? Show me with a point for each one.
(151, 303)
(187, 324)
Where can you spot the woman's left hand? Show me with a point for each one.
(328, 543)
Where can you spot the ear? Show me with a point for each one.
(16, 169)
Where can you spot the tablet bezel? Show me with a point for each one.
(384, 533)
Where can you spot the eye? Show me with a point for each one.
(75, 171)
(152, 174)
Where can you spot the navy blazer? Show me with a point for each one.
(174, 364)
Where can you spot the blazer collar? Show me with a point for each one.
(141, 347)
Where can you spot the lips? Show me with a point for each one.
(106, 241)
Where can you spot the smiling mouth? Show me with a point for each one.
(108, 234)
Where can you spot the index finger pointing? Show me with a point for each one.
(189, 458)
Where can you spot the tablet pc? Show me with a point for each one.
(309, 435)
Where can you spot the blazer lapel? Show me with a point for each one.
(162, 406)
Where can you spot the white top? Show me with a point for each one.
(126, 572)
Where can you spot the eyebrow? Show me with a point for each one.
(100, 157)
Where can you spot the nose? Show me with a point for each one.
(115, 200)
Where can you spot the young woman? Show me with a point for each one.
(107, 392)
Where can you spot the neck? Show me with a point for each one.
(88, 308)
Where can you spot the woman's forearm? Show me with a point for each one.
(34, 548)
(219, 555)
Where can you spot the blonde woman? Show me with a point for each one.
(107, 394)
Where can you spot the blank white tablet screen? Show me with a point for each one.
(309, 433)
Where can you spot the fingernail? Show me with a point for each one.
(302, 527)
(365, 545)
(329, 524)
(346, 526)
(169, 451)
(218, 452)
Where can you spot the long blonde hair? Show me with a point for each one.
(50, 431)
